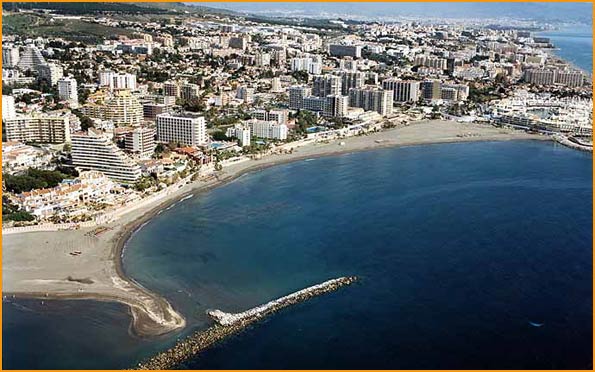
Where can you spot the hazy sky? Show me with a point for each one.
(550, 11)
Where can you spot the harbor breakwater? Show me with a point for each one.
(573, 143)
(228, 324)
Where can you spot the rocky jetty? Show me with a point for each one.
(232, 323)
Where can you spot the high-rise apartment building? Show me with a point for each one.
(338, 50)
(8, 108)
(114, 80)
(10, 56)
(185, 129)
(245, 93)
(51, 73)
(540, 76)
(268, 129)
(297, 95)
(241, 132)
(141, 141)
(43, 128)
(171, 89)
(335, 106)
(431, 90)
(94, 150)
(372, 99)
(325, 85)
(67, 91)
(351, 80)
(31, 59)
(119, 106)
(280, 116)
(403, 90)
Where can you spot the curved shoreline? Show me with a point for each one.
(552, 52)
(152, 314)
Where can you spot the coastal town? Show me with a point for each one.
(95, 124)
(153, 208)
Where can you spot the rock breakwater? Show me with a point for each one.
(228, 324)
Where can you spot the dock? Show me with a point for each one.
(227, 324)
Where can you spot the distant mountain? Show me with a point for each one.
(565, 12)
(187, 7)
(114, 7)
(83, 8)
(535, 11)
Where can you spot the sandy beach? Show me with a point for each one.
(39, 264)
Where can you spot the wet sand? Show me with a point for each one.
(39, 264)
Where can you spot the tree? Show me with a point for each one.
(194, 105)
(6, 89)
(300, 76)
(220, 136)
(304, 120)
(11, 212)
(32, 179)
(144, 183)
(83, 96)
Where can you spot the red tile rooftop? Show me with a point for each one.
(186, 150)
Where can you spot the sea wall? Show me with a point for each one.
(230, 323)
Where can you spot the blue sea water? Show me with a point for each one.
(460, 247)
(575, 44)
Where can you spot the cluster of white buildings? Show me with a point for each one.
(17, 157)
(88, 194)
(546, 113)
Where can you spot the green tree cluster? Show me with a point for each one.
(11, 212)
(32, 179)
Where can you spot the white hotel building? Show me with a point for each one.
(114, 80)
(67, 90)
(268, 129)
(185, 129)
(241, 132)
(95, 151)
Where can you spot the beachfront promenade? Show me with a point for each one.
(232, 323)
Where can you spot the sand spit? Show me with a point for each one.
(228, 324)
